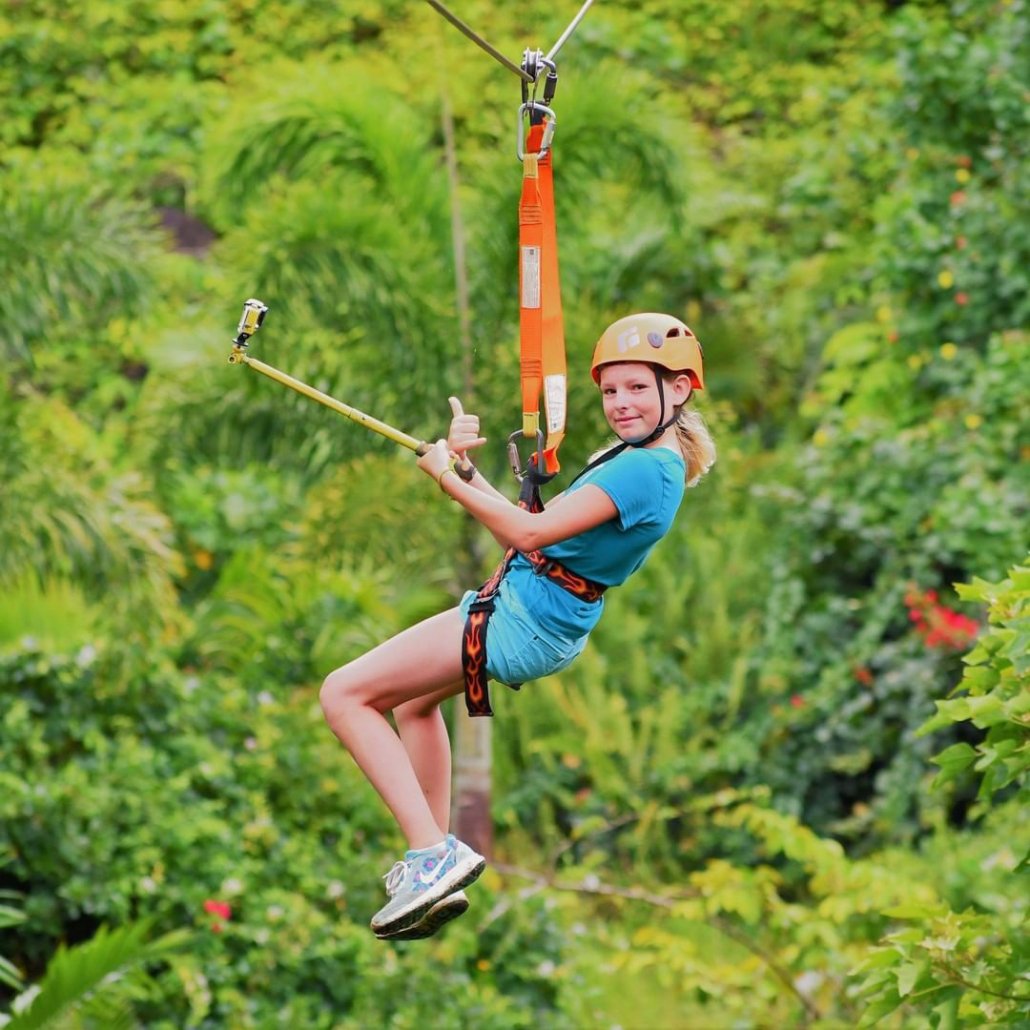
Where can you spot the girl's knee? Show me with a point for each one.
(337, 693)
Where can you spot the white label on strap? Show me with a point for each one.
(554, 402)
(530, 277)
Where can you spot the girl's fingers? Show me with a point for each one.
(455, 406)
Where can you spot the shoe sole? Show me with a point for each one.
(459, 877)
(439, 915)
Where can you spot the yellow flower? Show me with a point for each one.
(945, 280)
(915, 362)
(911, 153)
(884, 314)
(483, 964)
(949, 351)
(820, 438)
(203, 559)
(973, 421)
(962, 175)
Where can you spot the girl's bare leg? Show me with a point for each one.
(421, 665)
(423, 732)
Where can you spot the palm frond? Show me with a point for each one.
(67, 517)
(70, 258)
(311, 120)
(76, 976)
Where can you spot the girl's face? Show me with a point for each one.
(631, 401)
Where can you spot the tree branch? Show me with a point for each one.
(593, 885)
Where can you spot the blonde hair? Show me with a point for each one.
(695, 442)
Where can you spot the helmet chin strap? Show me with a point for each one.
(662, 423)
(653, 435)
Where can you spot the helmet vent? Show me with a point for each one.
(674, 331)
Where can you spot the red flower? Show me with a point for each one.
(797, 701)
(961, 299)
(961, 242)
(938, 625)
(863, 675)
(218, 908)
(958, 197)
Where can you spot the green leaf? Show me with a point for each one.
(908, 973)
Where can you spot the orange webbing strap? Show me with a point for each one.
(541, 327)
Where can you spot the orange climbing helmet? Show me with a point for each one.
(654, 339)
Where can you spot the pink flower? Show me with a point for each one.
(218, 908)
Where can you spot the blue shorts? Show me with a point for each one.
(518, 647)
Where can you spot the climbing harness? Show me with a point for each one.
(473, 640)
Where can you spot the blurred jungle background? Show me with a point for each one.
(786, 785)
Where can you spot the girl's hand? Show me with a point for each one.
(464, 432)
(436, 460)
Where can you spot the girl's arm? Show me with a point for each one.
(511, 525)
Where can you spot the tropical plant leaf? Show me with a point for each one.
(76, 975)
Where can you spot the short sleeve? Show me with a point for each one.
(635, 483)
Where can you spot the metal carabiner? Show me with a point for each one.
(551, 122)
(515, 459)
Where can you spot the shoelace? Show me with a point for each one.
(395, 877)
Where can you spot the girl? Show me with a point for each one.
(545, 601)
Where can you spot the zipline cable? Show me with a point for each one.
(478, 40)
(568, 32)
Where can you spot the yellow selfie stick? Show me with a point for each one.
(253, 315)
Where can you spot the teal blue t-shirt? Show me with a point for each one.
(538, 628)
(646, 487)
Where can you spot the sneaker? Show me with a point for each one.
(422, 879)
(442, 912)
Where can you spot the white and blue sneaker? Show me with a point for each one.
(422, 879)
(440, 914)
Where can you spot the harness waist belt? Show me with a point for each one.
(473, 641)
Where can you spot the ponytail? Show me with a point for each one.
(696, 444)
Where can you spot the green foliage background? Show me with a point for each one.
(727, 813)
